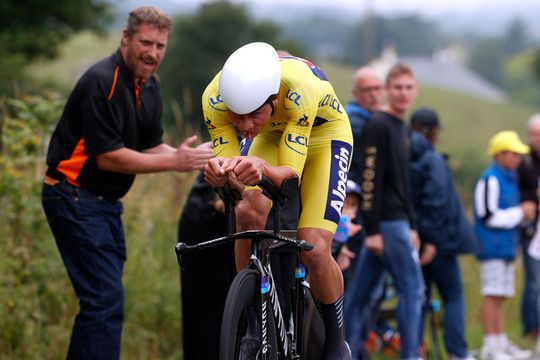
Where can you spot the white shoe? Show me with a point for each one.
(515, 352)
(490, 353)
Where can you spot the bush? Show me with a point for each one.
(33, 282)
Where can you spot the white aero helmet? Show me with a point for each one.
(249, 77)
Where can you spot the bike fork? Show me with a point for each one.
(265, 307)
(298, 293)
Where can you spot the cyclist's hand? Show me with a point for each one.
(214, 172)
(248, 169)
(375, 244)
(189, 158)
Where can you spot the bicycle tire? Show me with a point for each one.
(312, 339)
(240, 329)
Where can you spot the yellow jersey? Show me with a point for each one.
(309, 132)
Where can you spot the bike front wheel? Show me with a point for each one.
(241, 326)
(312, 338)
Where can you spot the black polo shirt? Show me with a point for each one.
(105, 111)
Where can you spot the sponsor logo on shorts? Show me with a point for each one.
(337, 189)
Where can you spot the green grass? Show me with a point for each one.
(153, 321)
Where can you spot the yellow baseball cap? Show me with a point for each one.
(507, 141)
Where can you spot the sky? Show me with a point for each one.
(389, 6)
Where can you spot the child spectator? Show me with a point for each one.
(498, 214)
(346, 227)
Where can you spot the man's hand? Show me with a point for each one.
(529, 210)
(189, 158)
(214, 172)
(429, 251)
(344, 258)
(375, 244)
(247, 169)
(353, 229)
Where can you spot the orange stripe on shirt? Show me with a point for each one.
(71, 168)
(111, 93)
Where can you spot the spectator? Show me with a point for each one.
(346, 228)
(498, 214)
(387, 214)
(109, 131)
(202, 305)
(442, 227)
(368, 93)
(529, 174)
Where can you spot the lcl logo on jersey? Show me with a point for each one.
(219, 141)
(332, 102)
(297, 143)
(293, 96)
(214, 102)
(341, 154)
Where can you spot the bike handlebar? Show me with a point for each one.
(257, 235)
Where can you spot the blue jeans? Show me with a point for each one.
(89, 234)
(530, 298)
(360, 320)
(401, 260)
(445, 273)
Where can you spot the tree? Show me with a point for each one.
(411, 34)
(33, 29)
(487, 59)
(515, 38)
(198, 47)
(535, 64)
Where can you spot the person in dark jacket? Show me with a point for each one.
(442, 227)
(529, 175)
(368, 93)
(498, 212)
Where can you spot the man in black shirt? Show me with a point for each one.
(109, 131)
(386, 210)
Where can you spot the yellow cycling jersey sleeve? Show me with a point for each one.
(299, 95)
(217, 122)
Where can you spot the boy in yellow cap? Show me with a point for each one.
(498, 214)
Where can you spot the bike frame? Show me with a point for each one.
(260, 261)
(288, 341)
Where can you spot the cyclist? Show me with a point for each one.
(299, 128)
